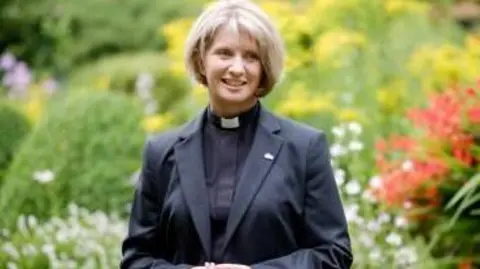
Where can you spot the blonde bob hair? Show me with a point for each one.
(237, 15)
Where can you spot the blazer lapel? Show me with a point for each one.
(265, 147)
(189, 158)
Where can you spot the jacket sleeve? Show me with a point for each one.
(141, 248)
(324, 240)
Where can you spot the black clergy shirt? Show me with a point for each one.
(225, 151)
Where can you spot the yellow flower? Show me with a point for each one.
(472, 44)
(200, 95)
(439, 66)
(300, 103)
(421, 59)
(336, 43)
(103, 83)
(394, 7)
(176, 33)
(34, 108)
(349, 114)
(155, 123)
(390, 96)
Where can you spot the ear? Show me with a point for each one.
(201, 66)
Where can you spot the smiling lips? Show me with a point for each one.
(233, 83)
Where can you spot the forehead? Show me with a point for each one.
(234, 37)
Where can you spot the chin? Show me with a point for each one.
(237, 96)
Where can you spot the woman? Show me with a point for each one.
(237, 187)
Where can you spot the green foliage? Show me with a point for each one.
(82, 240)
(15, 127)
(59, 34)
(121, 73)
(83, 151)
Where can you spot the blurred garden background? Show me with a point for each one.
(394, 83)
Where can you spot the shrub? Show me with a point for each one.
(15, 127)
(434, 170)
(84, 150)
(82, 240)
(144, 74)
(60, 35)
(379, 238)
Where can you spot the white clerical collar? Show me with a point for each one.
(234, 122)
(229, 123)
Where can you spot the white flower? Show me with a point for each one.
(339, 176)
(375, 255)
(366, 240)
(355, 146)
(407, 165)
(44, 176)
(151, 107)
(368, 196)
(134, 178)
(374, 226)
(384, 218)
(355, 128)
(73, 210)
(407, 204)
(394, 239)
(48, 249)
(338, 131)
(347, 97)
(337, 150)
(61, 236)
(10, 249)
(406, 256)
(4, 232)
(401, 222)
(375, 182)
(143, 85)
(353, 187)
(351, 212)
(22, 224)
(32, 221)
(29, 250)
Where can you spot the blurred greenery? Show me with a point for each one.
(58, 35)
(83, 151)
(15, 127)
(105, 74)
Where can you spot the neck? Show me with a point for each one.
(230, 111)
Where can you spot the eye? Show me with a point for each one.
(251, 56)
(223, 52)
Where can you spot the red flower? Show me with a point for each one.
(403, 143)
(465, 264)
(413, 167)
(474, 114)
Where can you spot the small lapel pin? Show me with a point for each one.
(268, 156)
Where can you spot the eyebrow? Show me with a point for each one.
(226, 47)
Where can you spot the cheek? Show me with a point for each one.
(256, 72)
(214, 69)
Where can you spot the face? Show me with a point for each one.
(233, 70)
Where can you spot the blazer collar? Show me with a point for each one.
(266, 119)
(189, 157)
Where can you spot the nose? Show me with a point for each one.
(237, 66)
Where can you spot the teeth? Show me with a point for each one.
(233, 83)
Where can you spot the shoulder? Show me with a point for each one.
(297, 131)
(158, 145)
(160, 141)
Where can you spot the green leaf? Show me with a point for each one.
(468, 188)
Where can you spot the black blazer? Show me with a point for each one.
(286, 213)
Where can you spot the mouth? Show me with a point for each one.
(233, 83)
